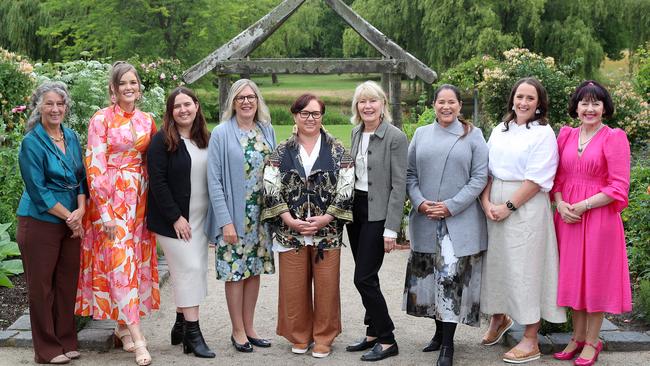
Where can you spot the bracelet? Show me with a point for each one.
(587, 204)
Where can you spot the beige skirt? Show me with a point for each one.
(520, 269)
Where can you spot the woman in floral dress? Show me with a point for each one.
(236, 153)
(119, 277)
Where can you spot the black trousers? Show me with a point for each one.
(367, 244)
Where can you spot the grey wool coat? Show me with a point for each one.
(387, 150)
(226, 184)
(442, 166)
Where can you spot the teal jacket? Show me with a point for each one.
(49, 175)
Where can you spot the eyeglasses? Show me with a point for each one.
(250, 98)
(306, 114)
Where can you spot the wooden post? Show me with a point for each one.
(395, 99)
(224, 87)
(385, 78)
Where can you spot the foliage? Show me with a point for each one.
(8, 266)
(518, 63)
(643, 72)
(87, 85)
(16, 79)
(642, 299)
(11, 185)
(636, 219)
(466, 75)
(632, 115)
(165, 73)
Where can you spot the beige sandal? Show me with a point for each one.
(123, 338)
(59, 360)
(142, 356)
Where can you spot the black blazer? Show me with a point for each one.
(169, 185)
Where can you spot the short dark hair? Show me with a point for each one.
(302, 102)
(593, 91)
(199, 131)
(542, 97)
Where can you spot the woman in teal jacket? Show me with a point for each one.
(49, 223)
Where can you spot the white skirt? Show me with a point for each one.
(520, 269)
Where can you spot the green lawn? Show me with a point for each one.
(341, 132)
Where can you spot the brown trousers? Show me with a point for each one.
(301, 319)
(51, 261)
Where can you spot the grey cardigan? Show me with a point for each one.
(387, 150)
(442, 166)
(226, 184)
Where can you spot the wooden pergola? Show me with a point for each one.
(232, 57)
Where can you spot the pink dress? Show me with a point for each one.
(118, 278)
(594, 273)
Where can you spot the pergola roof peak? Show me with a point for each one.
(248, 40)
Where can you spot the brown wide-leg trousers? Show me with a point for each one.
(302, 320)
(51, 261)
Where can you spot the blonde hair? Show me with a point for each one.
(369, 89)
(261, 115)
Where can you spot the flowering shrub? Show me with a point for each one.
(498, 79)
(165, 73)
(636, 219)
(17, 81)
(632, 115)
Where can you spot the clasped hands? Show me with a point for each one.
(75, 222)
(571, 213)
(496, 212)
(434, 210)
(310, 225)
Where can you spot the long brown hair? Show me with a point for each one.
(198, 134)
(467, 126)
(542, 99)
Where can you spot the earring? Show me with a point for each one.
(537, 111)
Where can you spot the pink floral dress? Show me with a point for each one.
(118, 278)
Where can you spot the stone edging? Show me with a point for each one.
(97, 335)
(613, 339)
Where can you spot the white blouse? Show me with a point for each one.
(308, 162)
(524, 153)
(360, 163)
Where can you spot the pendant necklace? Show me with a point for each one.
(581, 145)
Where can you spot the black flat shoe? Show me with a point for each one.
(259, 342)
(362, 345)
(246, 347)
(376, 353)
(446, 356)
(434, 345)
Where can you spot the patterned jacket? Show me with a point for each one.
(327, 190)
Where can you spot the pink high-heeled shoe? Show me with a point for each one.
(564, 356)
(585, 362)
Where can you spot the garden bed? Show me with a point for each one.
(13, 301)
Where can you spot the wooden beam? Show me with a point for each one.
(383, 44)
(309, 66)
(224, 88)
(247, 41)
(395, 99)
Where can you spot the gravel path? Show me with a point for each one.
(411, 333)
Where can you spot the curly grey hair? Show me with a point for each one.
(36, 101)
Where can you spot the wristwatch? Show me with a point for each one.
(511, 206)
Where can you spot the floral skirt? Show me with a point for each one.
(443, 286)
(246, 258)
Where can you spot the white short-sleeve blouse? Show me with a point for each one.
(523, 153)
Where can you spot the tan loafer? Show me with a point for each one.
(516, 355)
(493, 337)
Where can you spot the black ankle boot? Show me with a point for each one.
(177, 329)
(446, 356)
(193, 341)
